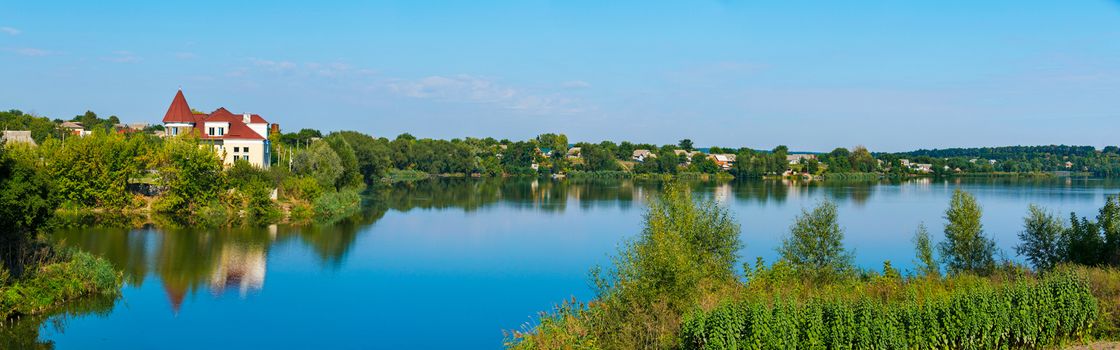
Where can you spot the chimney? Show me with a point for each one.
(245, 118)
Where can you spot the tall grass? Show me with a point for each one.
(70, 276)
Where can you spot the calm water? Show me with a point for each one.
(450, 264)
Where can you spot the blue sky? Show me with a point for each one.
(891, 75)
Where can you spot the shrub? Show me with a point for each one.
(335, 204)
(76, 274)
(815, 246)
(965, 248)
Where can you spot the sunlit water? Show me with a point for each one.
(452, 263)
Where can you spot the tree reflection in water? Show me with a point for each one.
(187, 260)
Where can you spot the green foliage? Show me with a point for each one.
(1040, 238)
(192, 174)
(1022, 315)
(94, 170)
(815, 246)
(75, 275)
(41, 127)
(965, 248)
(925, 263)
(373, 155)
(335, 204)
(655, 277)
(319, 162)
(351, 173)
(26, 202)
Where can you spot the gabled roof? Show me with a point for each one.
(179, 111)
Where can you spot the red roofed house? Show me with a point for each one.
(234, 136)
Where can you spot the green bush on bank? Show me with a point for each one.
(74, 275)
(1025, 314)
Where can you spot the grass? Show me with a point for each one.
(72, 275)
(397, 175)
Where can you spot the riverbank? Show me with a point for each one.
(60, 279)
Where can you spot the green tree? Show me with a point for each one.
(1082, 242)
(685, 244)
(701, 163)
(965, 248)
(351, 173)
(1108, 220)
(373, 155)
(815, 245)
(1040, 238)
(686, 145)
(319, 162)
(923, 251)
(192, 175)
(26, 204)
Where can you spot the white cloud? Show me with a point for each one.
(29, 51)
(122, 57)
(474, 89)
(576, 84)
(10, 31)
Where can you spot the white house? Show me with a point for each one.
(642, 154)
(796, 158)
(233, 136)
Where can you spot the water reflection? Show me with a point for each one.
(235, 262)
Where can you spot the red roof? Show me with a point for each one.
(179, 112)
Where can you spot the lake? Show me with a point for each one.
(452, 263)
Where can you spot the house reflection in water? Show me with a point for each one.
(239, 268)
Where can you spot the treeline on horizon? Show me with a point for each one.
(547, 154)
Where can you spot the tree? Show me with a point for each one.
(1108, 220)
(25, 205)
(1040, 238)
(192, 175)
(702, 163)
(686, 145)
(965, 248)
(1082, 242)
(815, 245)
(351, 174)
(373, 155)
(861, 160)
(319, 162)
(598, 158)
(838, 161)
(923, 251)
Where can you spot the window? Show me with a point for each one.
(236, 149)
(175, 130)
(221, 131)
(246, 149)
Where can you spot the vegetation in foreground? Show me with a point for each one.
(34, 277)
(674, 286)
(61, 278)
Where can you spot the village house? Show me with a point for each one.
(923, 167)
(17, 136)
(686, 155)
(724, 161)
(641, 155)
(233, 136)
(574, 152)
(796, 158)
(75, 128)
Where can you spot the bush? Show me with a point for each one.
(74, 275)
(334, 204)
(1019, 315)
